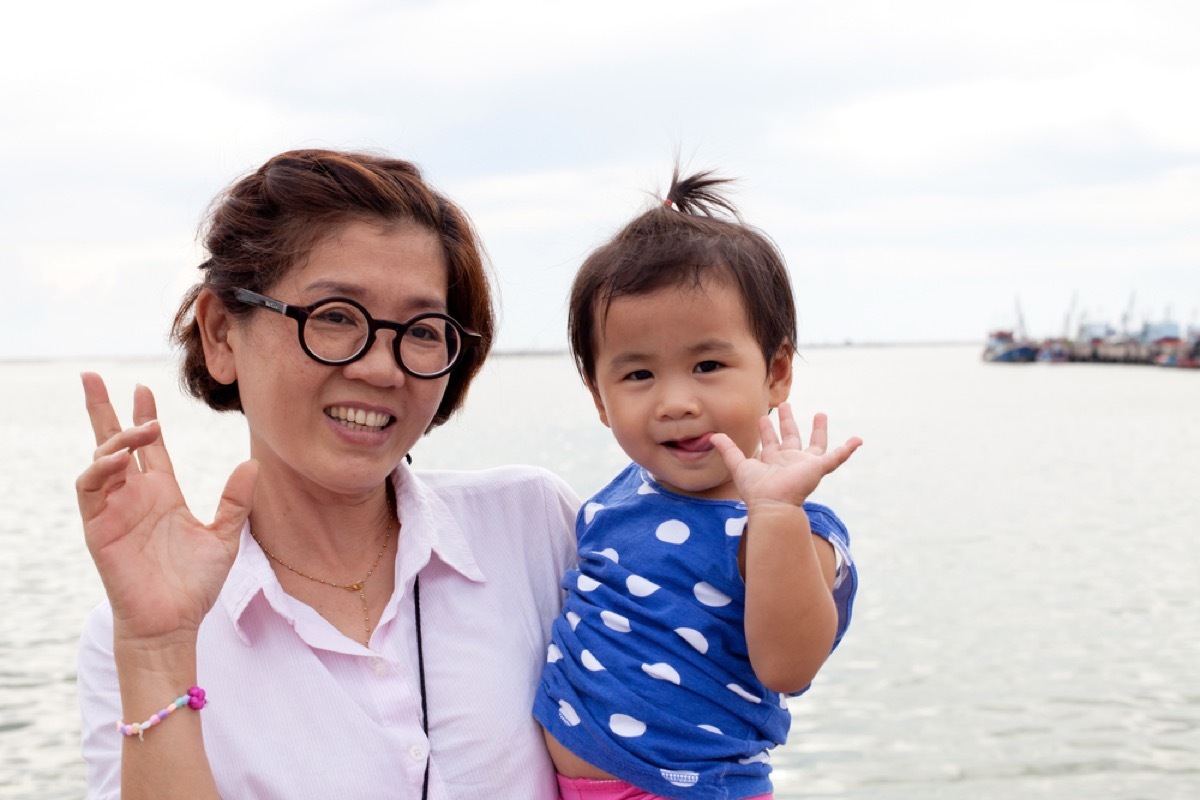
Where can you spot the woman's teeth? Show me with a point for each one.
(358, 419)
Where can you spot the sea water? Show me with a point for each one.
(1027, 536)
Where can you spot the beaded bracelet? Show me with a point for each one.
(193, 699)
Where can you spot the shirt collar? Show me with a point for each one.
(429, 529)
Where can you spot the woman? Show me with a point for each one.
(340, 604)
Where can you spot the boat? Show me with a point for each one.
(1010, 347)
(1004, 347)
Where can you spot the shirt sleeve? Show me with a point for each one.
(825, 523)
(100, 706)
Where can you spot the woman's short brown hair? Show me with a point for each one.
(268, 222)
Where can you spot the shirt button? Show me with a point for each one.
(417, 752)
(379, 665)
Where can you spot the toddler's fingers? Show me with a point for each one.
(842, 453)
(788, 429)
(818, 440)
(768, 436)
(731, 454)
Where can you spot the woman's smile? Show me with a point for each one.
(358, 419)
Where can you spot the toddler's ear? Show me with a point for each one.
(600, 409)
(779, 375)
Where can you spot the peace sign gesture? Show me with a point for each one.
(161, 567)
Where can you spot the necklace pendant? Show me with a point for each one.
(355, 587)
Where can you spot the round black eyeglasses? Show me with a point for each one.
(339, 331)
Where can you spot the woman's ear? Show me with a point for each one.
(779, 375)
(215, 322)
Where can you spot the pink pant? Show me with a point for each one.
(590, 789)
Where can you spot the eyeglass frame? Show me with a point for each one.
(467, 337)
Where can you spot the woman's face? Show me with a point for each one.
(302, 414)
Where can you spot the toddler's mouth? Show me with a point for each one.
(696, 444)
(359, 420)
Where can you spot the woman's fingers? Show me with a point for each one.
(153, 455)
(130, 439)
(93, 486)
(100, 411)
(236, 500)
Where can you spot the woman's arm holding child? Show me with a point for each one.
(790, 619)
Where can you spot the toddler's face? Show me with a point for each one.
(674, 367)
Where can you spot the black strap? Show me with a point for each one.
(421, 676)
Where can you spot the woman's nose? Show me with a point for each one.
(378, 366)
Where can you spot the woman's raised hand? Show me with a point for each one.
(161, 567)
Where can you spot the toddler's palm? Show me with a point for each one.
(784, 471)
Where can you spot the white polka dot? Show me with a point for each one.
(610, 554)
(680, 777)
(711, 729)
(740, 692)
(758, 758)
(589, 511)
(567, 714)
(553, 654)
(586, 584)
(673, 531)
(711, 596)
(646, 488)
(693, 637)
(590, 661)
(664, 672)
(734, 526)
(573, 619)
(625, 725)
(615, 621)
(640, 587)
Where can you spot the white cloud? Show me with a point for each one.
(952, 154)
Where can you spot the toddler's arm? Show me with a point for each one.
(790, 620)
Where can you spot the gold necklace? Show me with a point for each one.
(357, 586)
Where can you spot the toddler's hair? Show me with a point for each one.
(691, 234)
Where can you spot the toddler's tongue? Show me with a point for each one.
(695, 445)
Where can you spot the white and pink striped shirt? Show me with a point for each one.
(296, 709)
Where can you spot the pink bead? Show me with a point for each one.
(196, 703)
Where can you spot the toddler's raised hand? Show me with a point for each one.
(784, 471)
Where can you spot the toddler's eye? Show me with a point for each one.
(639, 375)
(708, 366)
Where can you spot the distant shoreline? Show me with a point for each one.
(518, 353)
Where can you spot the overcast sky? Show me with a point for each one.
(922, 164)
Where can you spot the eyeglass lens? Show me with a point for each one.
(337, 332)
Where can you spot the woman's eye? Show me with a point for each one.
(708, 366)
(336, 316)
(425, 333)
